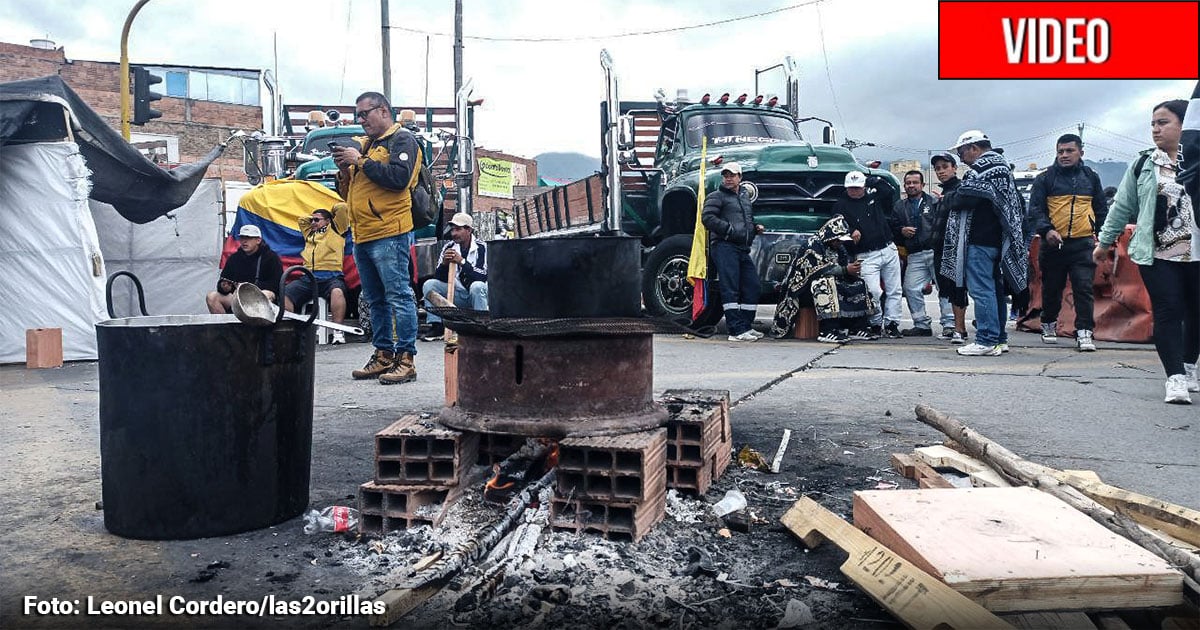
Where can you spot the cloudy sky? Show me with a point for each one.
(869, 66)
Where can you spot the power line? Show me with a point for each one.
(828, 75)
(1139, 142)
(581, 38)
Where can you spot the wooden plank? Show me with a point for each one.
(1050, 621)
(1176, 520)
(1090, 475)
(929, 478)
(1017, 549)
(914, 597)
(905, 464)
(981, 475)
(400, 601)
(783, 444)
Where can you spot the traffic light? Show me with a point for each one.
(142, 96)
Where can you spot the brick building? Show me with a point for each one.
(200, 106)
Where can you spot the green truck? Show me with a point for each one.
(651, 157)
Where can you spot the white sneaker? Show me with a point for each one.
(957, 338)
(746, 336)
(1189, 370)
(339, 337)
(979, 350)
(1177, 390)
(1084, 342)
(757, 335)
(1048, 333)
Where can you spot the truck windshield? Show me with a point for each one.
(727, 128)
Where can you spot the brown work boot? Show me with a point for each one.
(380, 362)
(402, 371)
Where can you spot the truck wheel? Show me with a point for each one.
(665, 289)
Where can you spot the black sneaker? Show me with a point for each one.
(892, 330)
(833, 337)
(947, 334)
(876, 331)
(436, 332)
(863, 334)
(917, 332)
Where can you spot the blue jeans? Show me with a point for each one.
(476, 297)
(918, 274)
(986, 287)
(739, 286)
(383, 268)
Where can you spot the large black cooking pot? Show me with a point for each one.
(205, 423)
(565, 276)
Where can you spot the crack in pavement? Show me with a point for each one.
(785, 376)
(1108, 459)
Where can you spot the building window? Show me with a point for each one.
(177, 84)
(198, 86)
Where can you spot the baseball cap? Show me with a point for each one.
(462, 219)
(971, 136)
(732, 167)
(856, 179)
(943, 156)
(250, 230)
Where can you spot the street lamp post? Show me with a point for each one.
(125, 100)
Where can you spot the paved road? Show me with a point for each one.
(1100, 411)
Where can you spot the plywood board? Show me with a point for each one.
(916, 598)
(1017, 549)
(981, 475)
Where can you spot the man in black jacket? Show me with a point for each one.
(253, 262)
(868, 216)
(470, 284)
(1068, 204)
(952, 299)
(729, 217)
(909, 228)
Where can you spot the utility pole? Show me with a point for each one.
(458, 68)
(386, 27)
(125, 101)
(1081, 130)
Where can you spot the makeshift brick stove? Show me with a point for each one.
(564, 353)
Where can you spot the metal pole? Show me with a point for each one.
(612, 221)
(126, 106)
(385, 26)
(458, 46)
(463, 177)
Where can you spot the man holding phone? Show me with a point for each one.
(376, 179)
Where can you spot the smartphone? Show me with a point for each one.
(342, 143)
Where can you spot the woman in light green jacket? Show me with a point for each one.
(1166, 247)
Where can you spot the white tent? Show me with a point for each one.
(53, 270)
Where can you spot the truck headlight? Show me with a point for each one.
(751, 190)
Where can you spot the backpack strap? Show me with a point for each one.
(1137, 166)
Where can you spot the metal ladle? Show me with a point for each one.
(251, 306)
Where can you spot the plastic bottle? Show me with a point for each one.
(335, 518)
(733, 501)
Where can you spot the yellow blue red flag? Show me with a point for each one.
(698, 259)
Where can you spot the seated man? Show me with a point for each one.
(253, 262)
(470, 286)
(324, 254)
(823, 275)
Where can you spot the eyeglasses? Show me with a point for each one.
(318, 218)
(362, 115)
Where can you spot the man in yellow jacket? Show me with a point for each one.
(324, 253)
(377, 180)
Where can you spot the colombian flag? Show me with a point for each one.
(698, 260)
(274, 207)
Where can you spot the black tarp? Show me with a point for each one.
(140, 190)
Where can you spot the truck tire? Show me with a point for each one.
(665, 289)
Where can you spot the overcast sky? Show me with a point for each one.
(869, 66)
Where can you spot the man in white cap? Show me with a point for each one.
(985, 248)
(470, 285)
(253, 262)
(729, 216)
(868, 217)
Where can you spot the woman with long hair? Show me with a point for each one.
(1166, 247)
